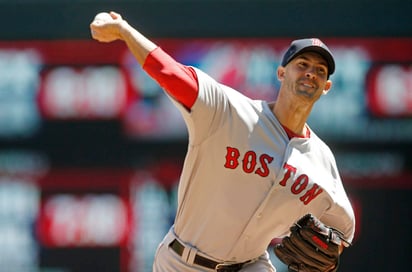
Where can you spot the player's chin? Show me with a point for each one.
(307, 93)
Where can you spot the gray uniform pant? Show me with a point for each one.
(166, 260)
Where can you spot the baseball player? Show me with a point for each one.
(253, 168)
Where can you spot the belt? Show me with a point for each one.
(178, 248)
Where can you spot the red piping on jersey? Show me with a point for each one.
(178, 80)
(292, 134)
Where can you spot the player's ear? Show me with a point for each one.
(281, 73)
(328, 86)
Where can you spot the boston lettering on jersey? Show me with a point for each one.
(251, 163)
(299, 184)
(258, 164)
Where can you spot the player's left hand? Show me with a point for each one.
(311, 246)
(106, 27)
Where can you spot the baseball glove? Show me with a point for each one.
(311, 246)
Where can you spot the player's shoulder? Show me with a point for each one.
(209, 84)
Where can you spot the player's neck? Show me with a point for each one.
(291, 117)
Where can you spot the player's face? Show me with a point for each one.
(306, 76)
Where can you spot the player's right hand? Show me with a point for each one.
(107, 30)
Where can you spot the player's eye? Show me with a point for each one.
(321, 71)
(302, 64)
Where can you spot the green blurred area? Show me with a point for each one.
(68, 19)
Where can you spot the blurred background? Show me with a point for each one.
(91, 150)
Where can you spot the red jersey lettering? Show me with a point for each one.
(300, 184)
(289, 171)
(311, 194)
(232, 156)
(264, 160)
(249, 162)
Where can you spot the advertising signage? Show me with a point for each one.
(371, 97)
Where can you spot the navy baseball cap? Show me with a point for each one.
(298, 47)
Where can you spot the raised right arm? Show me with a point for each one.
(178, 80)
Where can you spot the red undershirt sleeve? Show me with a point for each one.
(178, 80)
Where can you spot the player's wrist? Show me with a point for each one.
(124, 30)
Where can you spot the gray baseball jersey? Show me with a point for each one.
(244, 182)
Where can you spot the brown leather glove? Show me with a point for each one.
(311, 246)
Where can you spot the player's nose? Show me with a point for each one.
(310, 74)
